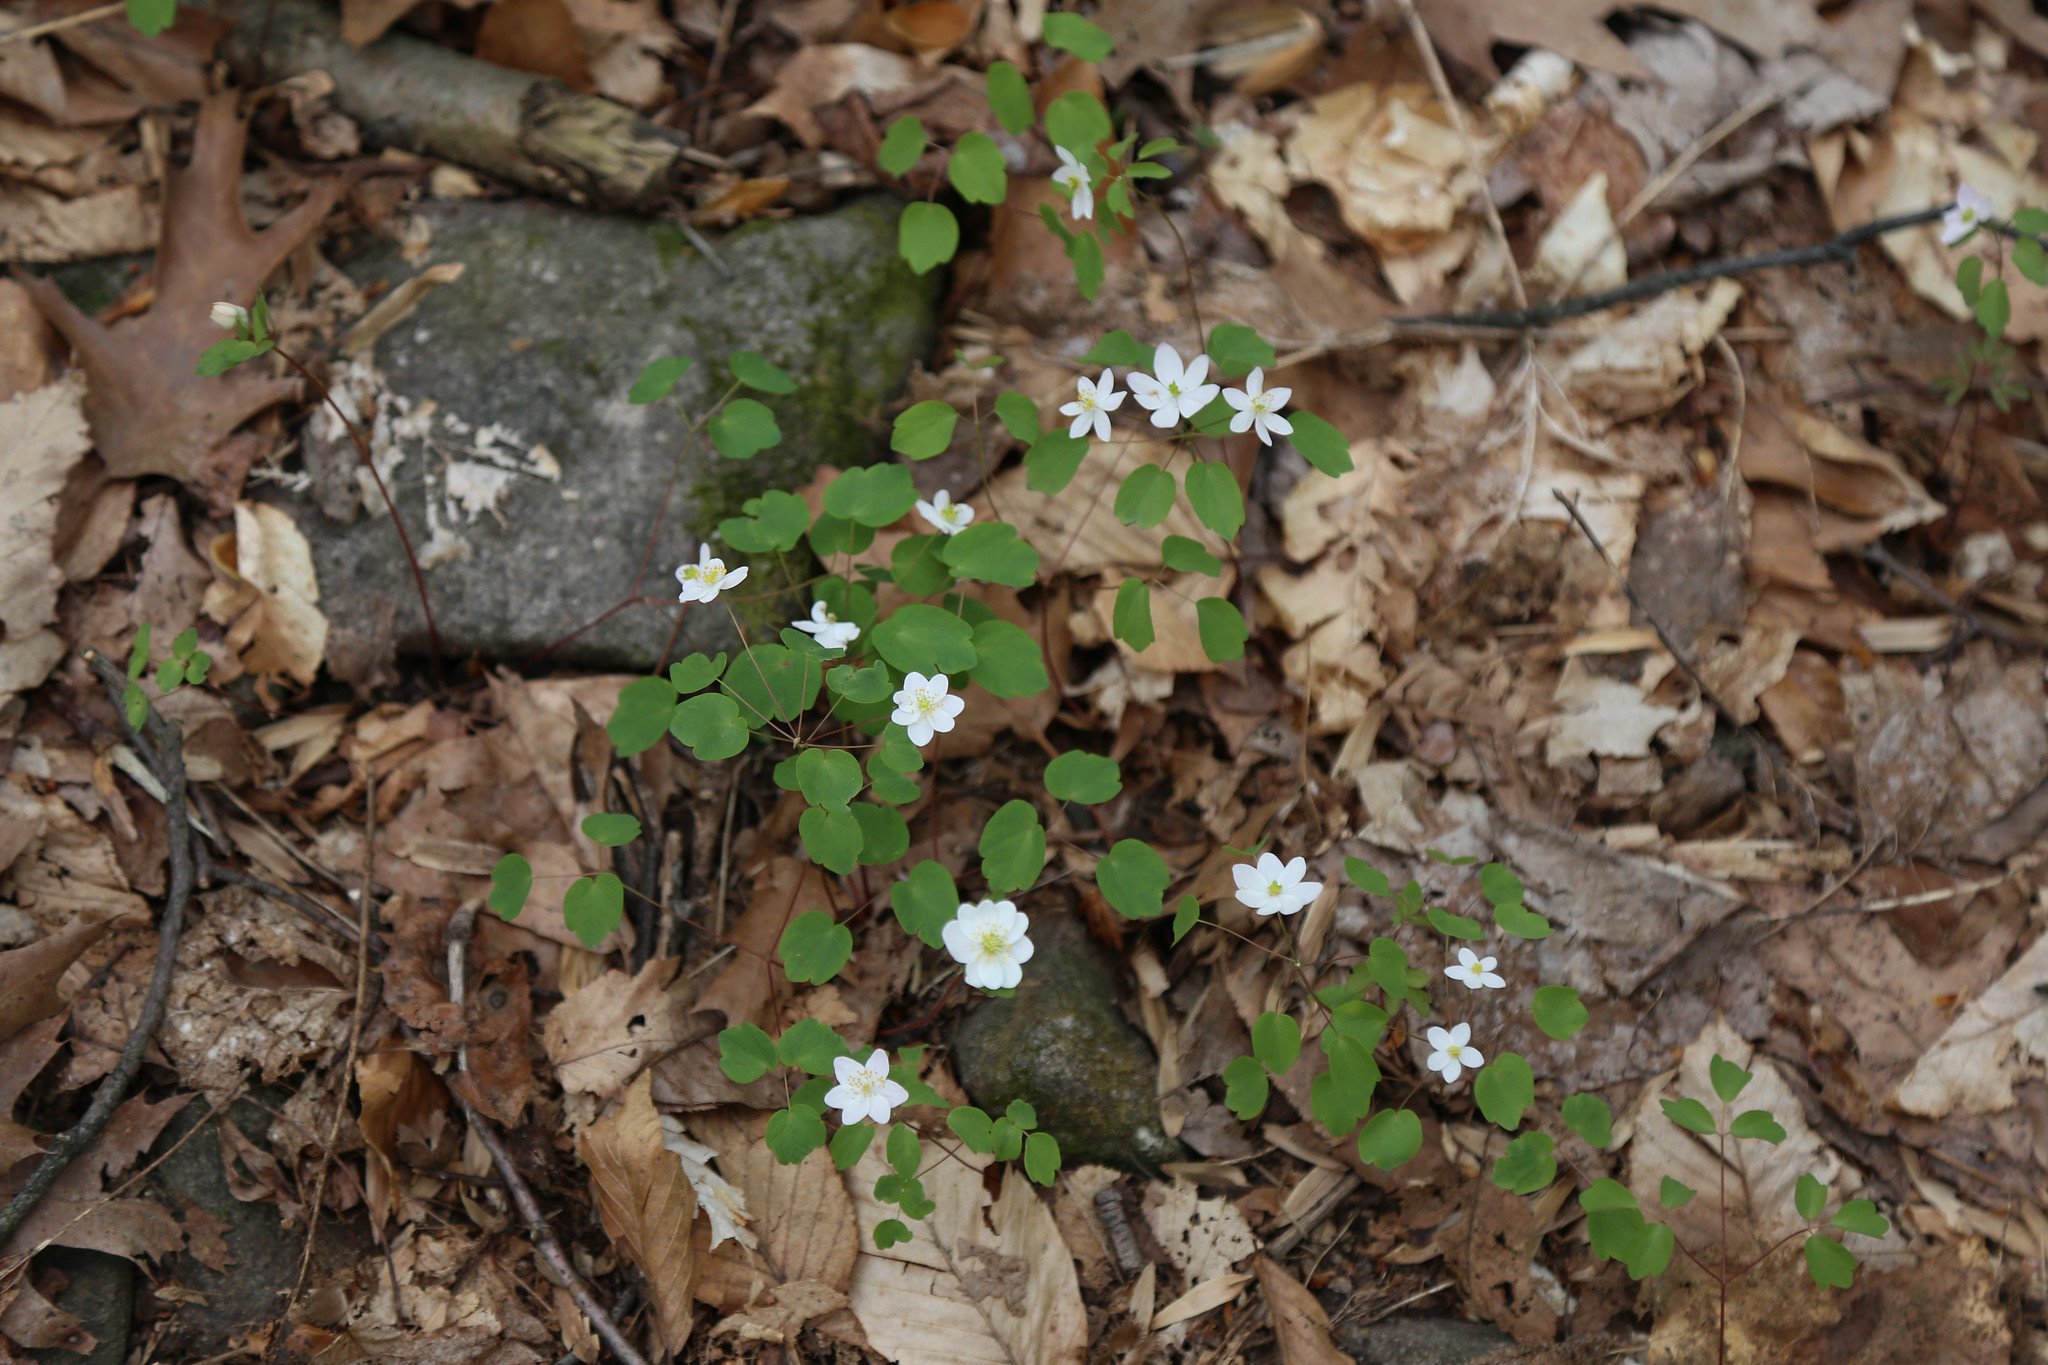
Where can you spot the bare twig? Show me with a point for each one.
(1879, 557)
(162, 747)
(91, 16)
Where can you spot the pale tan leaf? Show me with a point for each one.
(647, 1204)
(1299, 1322)
(725, 1207)
(612, 1029)
(1208, 1295)
(2000, 1038)
(42, 435)
(274, 606)
(978, 1281)
(800, 1216)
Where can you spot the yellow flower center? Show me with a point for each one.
(1274, 888)
(1454, 1052)
(865, 1082)
(950, 513)
(927, 704)
(993, 944)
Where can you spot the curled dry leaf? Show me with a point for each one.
(647, 1204)
(42, 435)
(77, 1211)
(270, 600)
(2000, 1038)
(616, 1026)
(1299, 1322)
(28, 975)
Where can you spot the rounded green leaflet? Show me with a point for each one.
(1454, 926)
(1758, 1124)
(1050, 464)
(976, 169)
(642, 715)
(1276, 1041)
(1729, 1080)
(756, 372)
(771, 683)
(901, 146)
(917, 638)
(810, 1045)
(1861, 1215)
(710, 725)
(1222, 629)
(1072, 33)
(1077, 121)
(850, 1144)
(1146, 496)
(917, 567)
(1119, 348)
(993, 552)
(594, 906)
(1042, 1158)
(1321, 444)
(884, 836)
(814, 947)
(927, 235)
(1185, 917)
(1133, 878)
(1689, 1114)
(1505, 1089)
(926, 902)
(1832, 1265)
(1527, 1165)
(1213, 493)
(1010, 98)
(890, 1232)
(1019, 415)
(794, 1133)
(1558, 1011)
(151, 17)
(832, 535)
(921, 431)
(1606, 1194)
(869, 684)
(1245, 1087)
(833, 838)
(973, 1127)
(746, 1053)
(903, 1149)
(1238, 350)
(1185, 555)
(1130, 620)
(1087, 778)
(872, 496)
(1390, 1138)
(1008, 661)
(774, 521)
(609, 829)
(828, 777)
(744, 429)
(658, 379)
(694, 673)
(1809, 1197)
(1012, 847)
(1590, 1118)
(511, 883)
(1674, 1194)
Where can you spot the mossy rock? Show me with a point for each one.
(1061, 1045)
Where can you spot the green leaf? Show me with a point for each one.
(186, 642)
(811, 1045)
(223, 356)
(1007, 1139)
(1131, 618)
(976, 169)
(1086, 254)
(872, 496)
(1146, 496)
(917, 568)
(196, 666)
(828, 777)
(1186, 917)
(1758, 1124)
(1520, 921)
(794, 1133)
(833, 838)
(925, 902)
(511, 883)
(917, 638)
(890, 1232)
(1994, 309)
(1012, 847)
(1276, 1041)
(1321, 444)
(1651, 1254)
(903, 1149)
(1367, 878)
(1728, 1079)
(641, 718)
(869, 685)
(1010, 98)
(1021, 1113)
(1689, 1114)
(1222, 629)
(884, 835)
(1809, 1196)
(658, 380)
(746, 1053)
(755, 371)
(832, 535)
(1009, 662)
(901, 146)
(711, 726)
(1342, 1095)
(1455, 926)
(151, 17)
(1072, 33)
(1390, 1138)
(848, 1146)
(1050, 464)
(1505, 1089)
(2031, 220)
(1970, 278)
(814, 946)
(1245, 1087)
(1604, 1194)
(1078, 122)
(927, 235)
(1089, 779)
(1119, 348)
(609, 829)
(1238, 350)
(1831, 1264)
(1671, 1194)
(1212, 492)
(169, 674)
(774, 521)
(1184, 555)
(992, 552)
(1590, 1118)
(2030, 260)
(1042, 1158)
(1527, 1165)
(922, 430)
(1558, 1011)
(1132, 877)
(744, 429)
(594, 906)
(973, 1127)
(1019, 416)
(1860, 1215)
(138, 654)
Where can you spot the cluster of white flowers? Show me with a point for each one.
(1451, 1053)
(1173, 393)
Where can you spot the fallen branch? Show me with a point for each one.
(162, 749)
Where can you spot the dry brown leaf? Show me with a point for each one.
(616, 1026)
(1205, 1297)
(1299, 1322)
(2000, 1038)
(271, 604)
(149, 413)
(77, 1212)
(52, 229)
(800, 1216)
(979, 1280)
(28, 976)
(647, 1204)
(397, 1090)
(537, 36)
(825, 72)
(31, 1321)
(42, 436)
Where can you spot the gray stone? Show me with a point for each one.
(1061, 1045)
(100, 1292)
(555, 315)
(1423, 1341)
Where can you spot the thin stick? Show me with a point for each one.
(91, 16)
(167, 757)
